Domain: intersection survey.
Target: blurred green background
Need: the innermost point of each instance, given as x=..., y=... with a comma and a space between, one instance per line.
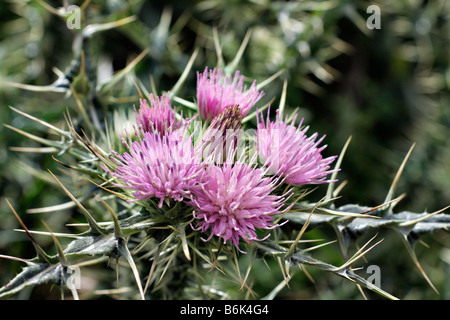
x=387, y=88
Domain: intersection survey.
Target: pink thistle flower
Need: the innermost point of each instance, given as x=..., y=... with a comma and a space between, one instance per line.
x=234, y=201
x=158, y=117
x=288, y=152
x=157, y=166
x=222, y=135
x=215, y=92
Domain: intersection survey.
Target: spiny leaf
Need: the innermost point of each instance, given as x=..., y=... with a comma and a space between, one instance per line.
x=89, y=145
x=410, y=248
x=422, y=218
x=229, y=68
x=78, y=168
x=125, y=252
x=270, y=79
x=184, y=245
x=81, y=108
x=34, y=150
x=220, y=61
x=98, y=245
x=43, y=141
x=174, y=91
x=300, y=257
x=32, y=275
x=283, y=99
x=275, y=291
x=94, y=227
x=117, y=230
x=35, y=172
x=40, y=252
x=81, y=83
x=122, y=247
x=62, y=259
x=300, y=234
x=359, y=254
x=46, y=233
x=15, y=259
x=416, y=225
x=48, y=125
x=92, y=29
x=349, y=274
x=35, y=88
x=396, y=179
x=61, y=256
x=188, y=104
x=330, y=189
x=254, y=113
x=109, y=83
x=319, y=246
x=140, y=88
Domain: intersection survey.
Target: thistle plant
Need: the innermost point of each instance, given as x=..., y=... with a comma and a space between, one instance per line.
x=183, y=197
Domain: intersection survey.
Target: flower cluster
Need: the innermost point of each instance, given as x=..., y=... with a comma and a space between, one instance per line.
x=233, y=196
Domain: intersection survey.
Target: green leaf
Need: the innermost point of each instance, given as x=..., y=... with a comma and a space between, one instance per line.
x=32, y=275
x=92, y=245
x=300, y=257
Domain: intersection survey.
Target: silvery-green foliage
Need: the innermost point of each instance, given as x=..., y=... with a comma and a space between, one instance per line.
x=163, y=257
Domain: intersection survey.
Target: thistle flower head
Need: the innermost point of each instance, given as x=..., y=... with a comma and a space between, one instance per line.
x=222, y=135
x=287, y=151
x=158, y=117
x=230, y=118
x=163, y=167
x=234, y=201
x=216, y=91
